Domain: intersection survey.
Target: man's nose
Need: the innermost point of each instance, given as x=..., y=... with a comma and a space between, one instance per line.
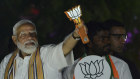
x=29, y=36
x=122, y=40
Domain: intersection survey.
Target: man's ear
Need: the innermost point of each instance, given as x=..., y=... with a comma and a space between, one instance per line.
x=14, y=38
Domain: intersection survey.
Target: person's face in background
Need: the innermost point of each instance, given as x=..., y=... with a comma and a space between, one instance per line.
x=117, y=38
x=100, y=44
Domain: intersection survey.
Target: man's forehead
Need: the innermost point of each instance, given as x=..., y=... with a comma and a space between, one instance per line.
x=118, y=30
x=30, y=31
x=103, y=33
x=26, y=28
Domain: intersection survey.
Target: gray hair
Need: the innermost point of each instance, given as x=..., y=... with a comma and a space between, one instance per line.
x=21, y=22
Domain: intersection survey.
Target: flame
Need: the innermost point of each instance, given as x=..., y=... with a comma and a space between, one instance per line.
x=74, y=14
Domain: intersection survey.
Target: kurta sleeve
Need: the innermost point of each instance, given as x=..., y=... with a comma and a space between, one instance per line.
x=54, y=56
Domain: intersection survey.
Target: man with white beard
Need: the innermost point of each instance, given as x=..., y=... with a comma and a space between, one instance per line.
x=30, y=61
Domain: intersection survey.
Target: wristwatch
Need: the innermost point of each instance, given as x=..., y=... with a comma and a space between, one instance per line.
x=76, y=38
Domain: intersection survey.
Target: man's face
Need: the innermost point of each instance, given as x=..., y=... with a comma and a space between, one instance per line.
x=101, y=44
x=26, y=38
x=117, y=39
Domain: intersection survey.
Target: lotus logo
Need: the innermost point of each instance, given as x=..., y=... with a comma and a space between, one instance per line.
x=74, y=13
x=92, y=70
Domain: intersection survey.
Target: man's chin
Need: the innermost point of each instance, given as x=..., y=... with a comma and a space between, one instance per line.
x=29, y=49
x=120, y=50
x=106, y=52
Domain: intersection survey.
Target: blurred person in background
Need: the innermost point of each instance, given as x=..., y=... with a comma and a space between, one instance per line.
x=100, y=45
x=118, y=36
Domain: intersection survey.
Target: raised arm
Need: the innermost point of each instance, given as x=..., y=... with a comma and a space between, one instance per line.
x=71, y=41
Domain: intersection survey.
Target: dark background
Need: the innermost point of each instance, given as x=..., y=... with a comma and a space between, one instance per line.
x=53, y=25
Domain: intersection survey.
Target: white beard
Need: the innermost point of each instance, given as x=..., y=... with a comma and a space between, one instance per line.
x=28, y=49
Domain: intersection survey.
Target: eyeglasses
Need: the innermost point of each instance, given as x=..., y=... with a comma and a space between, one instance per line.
x=118, y=36
x=24, y=35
